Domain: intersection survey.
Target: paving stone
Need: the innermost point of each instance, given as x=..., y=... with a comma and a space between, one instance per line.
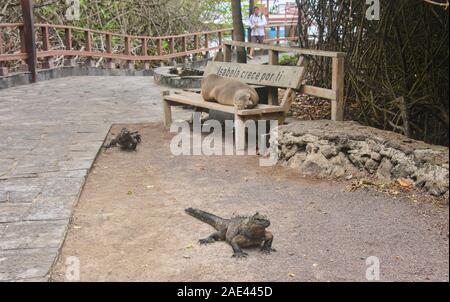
x=64, y=174
x=51, y=208
x=31, y=160
x=76, y=164
x=3, y=196
x=62, y=186
x=13, y=175
x=23, y=196
x=5, y=164
x=27, y=264
x=34, y=169
x=33, y=234
x=12, y=212
x=2, y=229
x=19, y=184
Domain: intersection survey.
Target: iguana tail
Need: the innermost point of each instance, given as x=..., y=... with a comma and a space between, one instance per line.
x=213, y=220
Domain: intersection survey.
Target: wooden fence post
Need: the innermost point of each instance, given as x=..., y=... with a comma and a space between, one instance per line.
x=109, y=64
x=145, y=53
x=69, y=61
x=272, y=96
x=220, y=36
x=196, y=46
x=3, y=68
x=129, y=64
x=278, y=34
x=48, y=61
x=172, y=50
x=159, y=49
x=206, y=45
x=88, y=48
x=184, y=47
x=29, y=40
x=23, y=49
x=227, y=53
x=338, y=105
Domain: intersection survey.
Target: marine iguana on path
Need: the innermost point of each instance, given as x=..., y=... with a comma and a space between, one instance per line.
x=126, y=140
x=238, y=231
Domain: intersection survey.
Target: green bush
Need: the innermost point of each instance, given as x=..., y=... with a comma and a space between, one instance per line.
x=290, y=60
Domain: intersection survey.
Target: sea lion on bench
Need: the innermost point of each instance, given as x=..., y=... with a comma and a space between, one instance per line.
x=229, y=92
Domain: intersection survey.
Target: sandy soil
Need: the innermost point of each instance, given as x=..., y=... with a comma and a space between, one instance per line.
x=130, y=224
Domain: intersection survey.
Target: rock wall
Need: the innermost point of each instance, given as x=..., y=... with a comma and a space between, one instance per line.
x=347, y=149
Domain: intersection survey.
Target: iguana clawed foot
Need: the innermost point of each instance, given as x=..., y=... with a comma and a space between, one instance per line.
x=206, y=241
x=240, y=255
x=267, y=250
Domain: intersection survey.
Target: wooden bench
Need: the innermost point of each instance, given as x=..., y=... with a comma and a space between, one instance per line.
x=335, y=59
x=273, y=76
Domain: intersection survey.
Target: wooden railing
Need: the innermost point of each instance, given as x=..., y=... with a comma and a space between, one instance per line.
x=289, y=35
x=129, y=48
x=335, y=94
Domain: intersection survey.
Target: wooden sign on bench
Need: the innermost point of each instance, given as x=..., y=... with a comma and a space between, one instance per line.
x=267, y=75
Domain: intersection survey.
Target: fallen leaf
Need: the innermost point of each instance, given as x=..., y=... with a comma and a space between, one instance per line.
x=292, y=275
x=190, y=246
x=404, y=183
x=130, y=192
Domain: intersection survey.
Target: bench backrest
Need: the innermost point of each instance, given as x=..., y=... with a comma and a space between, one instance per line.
x=266, y=75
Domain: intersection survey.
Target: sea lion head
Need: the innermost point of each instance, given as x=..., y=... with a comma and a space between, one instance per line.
x=245, y=100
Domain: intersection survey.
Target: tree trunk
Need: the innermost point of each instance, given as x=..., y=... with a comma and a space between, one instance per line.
x=239, y=32
x=299, y=23
x=251, y=5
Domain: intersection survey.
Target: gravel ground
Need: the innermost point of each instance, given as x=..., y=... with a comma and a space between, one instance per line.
x=130, y=225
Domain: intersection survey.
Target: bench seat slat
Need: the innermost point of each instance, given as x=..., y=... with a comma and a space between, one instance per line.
x=196, y=100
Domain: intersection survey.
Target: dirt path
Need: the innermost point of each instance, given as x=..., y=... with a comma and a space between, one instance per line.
x=130, y=225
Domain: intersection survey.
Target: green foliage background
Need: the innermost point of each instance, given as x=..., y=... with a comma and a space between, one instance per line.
x=149, y=17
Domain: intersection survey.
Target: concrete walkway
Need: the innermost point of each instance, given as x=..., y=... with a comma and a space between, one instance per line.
x=50, y=135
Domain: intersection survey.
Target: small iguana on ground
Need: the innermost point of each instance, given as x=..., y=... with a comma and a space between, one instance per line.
x=126, y=140
x=239, y=231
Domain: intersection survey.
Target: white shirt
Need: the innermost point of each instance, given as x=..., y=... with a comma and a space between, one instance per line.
x=257, y=24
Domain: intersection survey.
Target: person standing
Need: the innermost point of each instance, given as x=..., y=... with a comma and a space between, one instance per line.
x=257, y=22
